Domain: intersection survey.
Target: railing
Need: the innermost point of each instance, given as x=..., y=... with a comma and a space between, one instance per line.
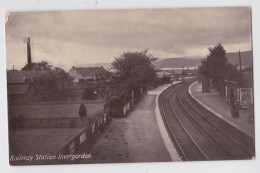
x=126, y=108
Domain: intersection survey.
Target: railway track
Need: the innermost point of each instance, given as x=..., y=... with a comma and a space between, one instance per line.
x=197, y=133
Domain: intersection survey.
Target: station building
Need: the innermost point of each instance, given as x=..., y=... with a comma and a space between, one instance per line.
x=240, y=93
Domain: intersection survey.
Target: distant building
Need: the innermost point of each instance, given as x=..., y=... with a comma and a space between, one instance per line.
x=91, y=74
x=239, y=92
x=163, y=74
x=189, y=72
x=178, y=71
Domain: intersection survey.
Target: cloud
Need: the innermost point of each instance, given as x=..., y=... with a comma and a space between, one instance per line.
x=80, y=37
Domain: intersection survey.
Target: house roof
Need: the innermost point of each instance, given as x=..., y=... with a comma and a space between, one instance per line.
x=91, y=71
x=19, y=76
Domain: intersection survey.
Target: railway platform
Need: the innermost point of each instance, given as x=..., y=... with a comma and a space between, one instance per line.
x=138, y=137
x=215, y=103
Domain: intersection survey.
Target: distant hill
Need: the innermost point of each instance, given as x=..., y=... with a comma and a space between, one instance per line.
x=178, y=62
x=246, y=58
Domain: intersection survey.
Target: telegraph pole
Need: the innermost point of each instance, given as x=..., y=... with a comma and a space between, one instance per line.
x=240, y=68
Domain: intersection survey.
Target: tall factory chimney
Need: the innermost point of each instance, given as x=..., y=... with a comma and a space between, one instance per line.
x=29, y=57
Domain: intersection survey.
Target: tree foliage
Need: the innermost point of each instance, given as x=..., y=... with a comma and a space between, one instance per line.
x=135, y=69
x=114, y=107
x=54, y=84
x=216, y=67
x=43, y=65
x=88, y=94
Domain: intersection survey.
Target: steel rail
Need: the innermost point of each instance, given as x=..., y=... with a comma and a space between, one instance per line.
x=215, y=126
x=221, y=131
x=203, y=128
x=180, y=124
x=171, y=132
x=186, y=130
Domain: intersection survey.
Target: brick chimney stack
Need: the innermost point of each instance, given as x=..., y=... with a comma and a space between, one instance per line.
x=29, y=58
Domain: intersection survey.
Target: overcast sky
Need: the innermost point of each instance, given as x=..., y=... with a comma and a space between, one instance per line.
x=77, y=38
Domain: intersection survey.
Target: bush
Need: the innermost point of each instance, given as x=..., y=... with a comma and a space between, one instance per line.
x=114, y=107
x=124, y=96
x=88, y=94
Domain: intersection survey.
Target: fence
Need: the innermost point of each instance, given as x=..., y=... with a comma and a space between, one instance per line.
x=126, y=108
x=95, y=124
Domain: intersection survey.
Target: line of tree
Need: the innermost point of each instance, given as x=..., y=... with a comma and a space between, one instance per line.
x=132, y=71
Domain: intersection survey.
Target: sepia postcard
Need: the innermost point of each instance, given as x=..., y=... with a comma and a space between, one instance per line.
x=130, y=85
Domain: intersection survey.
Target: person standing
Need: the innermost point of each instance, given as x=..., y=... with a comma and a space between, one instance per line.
x=82, y=113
